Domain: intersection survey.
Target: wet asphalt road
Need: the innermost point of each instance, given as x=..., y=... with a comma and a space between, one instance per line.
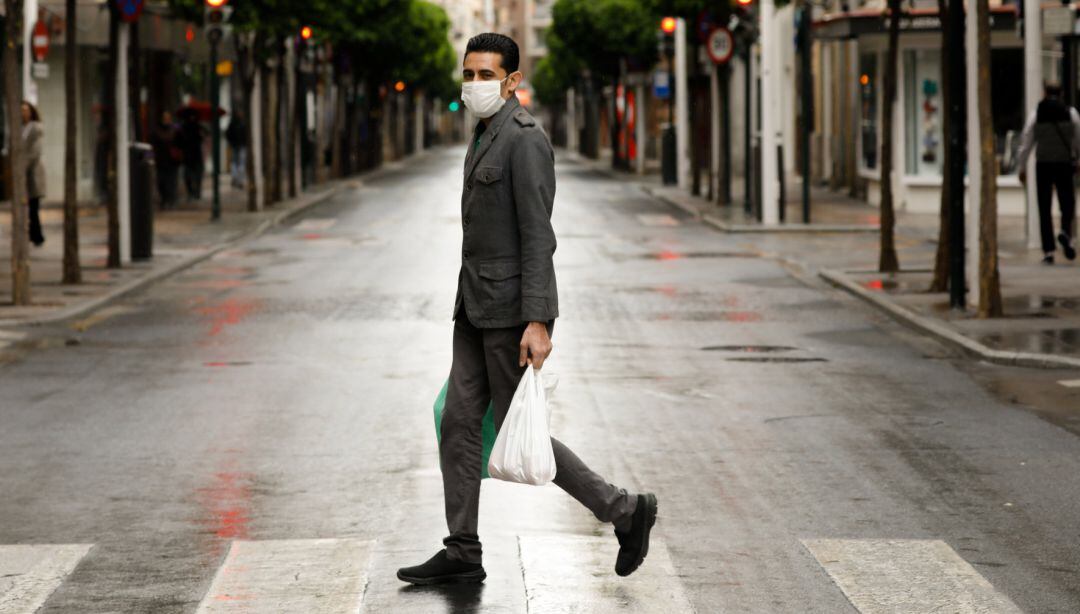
x=283, y=390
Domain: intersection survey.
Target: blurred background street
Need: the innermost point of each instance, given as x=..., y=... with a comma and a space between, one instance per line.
x=282, y=390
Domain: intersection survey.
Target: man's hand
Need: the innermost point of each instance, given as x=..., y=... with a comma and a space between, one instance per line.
x=535, y=345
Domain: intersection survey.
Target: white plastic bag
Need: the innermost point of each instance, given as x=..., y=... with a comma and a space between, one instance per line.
x=522, y=452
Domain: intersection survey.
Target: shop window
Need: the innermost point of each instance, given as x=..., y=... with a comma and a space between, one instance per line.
x=868, y=109
x=923, y=110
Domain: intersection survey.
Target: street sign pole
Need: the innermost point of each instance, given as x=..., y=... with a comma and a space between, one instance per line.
x=215, y=126
x=807, y=104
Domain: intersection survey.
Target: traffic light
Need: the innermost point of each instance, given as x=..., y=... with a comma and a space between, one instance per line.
x=216, y=19
x=306, y=33
x=667, y=25
x=454, y=106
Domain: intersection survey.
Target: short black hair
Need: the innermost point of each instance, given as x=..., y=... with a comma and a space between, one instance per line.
x=496, y=43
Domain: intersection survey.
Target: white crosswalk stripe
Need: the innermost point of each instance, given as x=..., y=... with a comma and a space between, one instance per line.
x=316, y=223
x=576, y=574
x=657, y=219
x=30, y=573
x=302, y=576
x=904, y=576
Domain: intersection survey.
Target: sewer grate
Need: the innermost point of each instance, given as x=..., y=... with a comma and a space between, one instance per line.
x=778, y=359
x=749, y=348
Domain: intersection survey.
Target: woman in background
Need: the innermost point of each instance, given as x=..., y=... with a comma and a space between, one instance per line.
x=33, y=138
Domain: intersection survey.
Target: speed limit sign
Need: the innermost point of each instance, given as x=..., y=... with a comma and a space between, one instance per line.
x=721, y=45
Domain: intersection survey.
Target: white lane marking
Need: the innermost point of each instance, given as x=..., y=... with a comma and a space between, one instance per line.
x=316, y=223
x=30, y=573
x=301, y=576
x=894, y=576
x=657, y=219
x=577, y=574
x=1070, y=383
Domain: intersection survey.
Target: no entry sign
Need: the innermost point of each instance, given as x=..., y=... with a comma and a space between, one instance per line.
x=130, y=10
x=40, y=41
x=721, y=45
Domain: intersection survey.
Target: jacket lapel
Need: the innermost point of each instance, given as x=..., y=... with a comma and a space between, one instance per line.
x=489, y=135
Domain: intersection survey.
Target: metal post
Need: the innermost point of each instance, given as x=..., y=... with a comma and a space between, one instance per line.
x=771, y=93
x=123, y=158
x=215, y=128
x=1033, y=86
x=748, y=120
x=957, y=154
x=974, y=151
x=682, y=106
x=807, y=104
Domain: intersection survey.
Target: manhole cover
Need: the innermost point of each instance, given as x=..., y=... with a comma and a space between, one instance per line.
x=749, y=348
x=787, y=359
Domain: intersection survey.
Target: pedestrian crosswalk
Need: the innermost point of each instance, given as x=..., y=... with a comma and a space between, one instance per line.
x=559, y=573
x=30, y=573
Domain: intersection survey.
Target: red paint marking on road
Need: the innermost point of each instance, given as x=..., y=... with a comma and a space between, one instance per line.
x=311, y=236
x=742, y=316
x=228, y=504
x=228, y=312
x=874, y=284
x=668, y=255
x=668, y=291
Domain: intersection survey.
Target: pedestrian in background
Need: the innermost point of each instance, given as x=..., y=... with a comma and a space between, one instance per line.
x=236, y=136
x=504, y=314
x=191, y=138
x=33, y=141
x=167, y=159
x=1053, y=132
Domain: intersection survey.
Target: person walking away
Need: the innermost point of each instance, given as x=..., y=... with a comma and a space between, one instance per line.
x=504, y=314
x=167, y=159
x=1053, y=132
x=33, y=141
x=236, y=136
x=191, y=139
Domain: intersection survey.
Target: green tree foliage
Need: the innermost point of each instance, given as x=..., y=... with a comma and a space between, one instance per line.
x=602, y=33
x=556, y=72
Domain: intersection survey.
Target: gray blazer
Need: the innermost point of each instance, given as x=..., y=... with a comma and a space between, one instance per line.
x=33, y=143
x=507, y=277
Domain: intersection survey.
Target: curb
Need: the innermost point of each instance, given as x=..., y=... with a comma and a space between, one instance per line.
x=946, y=334
x=728, y=227
x=303, y=204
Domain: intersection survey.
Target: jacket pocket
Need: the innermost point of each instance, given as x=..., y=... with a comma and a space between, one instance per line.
x=500, y=287
x=488, y=175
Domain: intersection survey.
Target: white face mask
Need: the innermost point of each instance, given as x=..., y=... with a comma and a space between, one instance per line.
x=483, y=98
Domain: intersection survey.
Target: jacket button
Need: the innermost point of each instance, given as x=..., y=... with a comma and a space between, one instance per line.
x=466, y=254
x=465, y=222
x=468, y=186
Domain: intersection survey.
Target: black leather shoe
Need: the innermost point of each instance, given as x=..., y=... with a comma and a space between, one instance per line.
x=441, y=570
x=1067, y=244
x=634, y=544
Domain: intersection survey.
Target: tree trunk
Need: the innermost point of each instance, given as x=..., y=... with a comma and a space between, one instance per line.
x=112, y=113
x=940, y=282
x=292, y=117
x=245, y=52
x=72, y=270
x=20, y=247
x=268, y=94
x=889, y=262
x=341, y=85
x=280, y=117
x=989, y=280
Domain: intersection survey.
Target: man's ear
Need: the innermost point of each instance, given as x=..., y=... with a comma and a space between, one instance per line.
x=515, y=80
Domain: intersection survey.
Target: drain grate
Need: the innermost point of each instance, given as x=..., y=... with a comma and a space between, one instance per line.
x=775, y=359
x=749, y=348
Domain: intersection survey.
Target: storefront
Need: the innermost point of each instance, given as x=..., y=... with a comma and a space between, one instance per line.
x=918, y=137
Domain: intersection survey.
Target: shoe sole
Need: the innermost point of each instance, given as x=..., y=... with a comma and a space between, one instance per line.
x=650, y=516
x=1070, y=251
x=469, y=577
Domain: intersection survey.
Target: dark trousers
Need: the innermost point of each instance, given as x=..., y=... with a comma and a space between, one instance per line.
x=193, y=179
x=486, y=368
x=36, y=236
x=1050, y=176
x=166, y=183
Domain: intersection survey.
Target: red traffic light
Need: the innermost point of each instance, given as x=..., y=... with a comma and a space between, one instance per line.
x=745, y=2
x=667, y=24
x=306, y=33
x=216, y=4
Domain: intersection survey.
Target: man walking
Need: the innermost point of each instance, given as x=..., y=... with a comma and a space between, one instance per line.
x=1053, y=131
x=504, y=314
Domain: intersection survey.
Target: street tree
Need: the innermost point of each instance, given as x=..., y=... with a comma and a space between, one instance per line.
x=940, y=281
x=888, y=261
x=606, y=36
x=989, y=280
x=20, y=247
x=72, y=270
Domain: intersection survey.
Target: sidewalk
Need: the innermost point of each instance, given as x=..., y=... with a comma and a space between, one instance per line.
x=183, y=237
x=1041, y=327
